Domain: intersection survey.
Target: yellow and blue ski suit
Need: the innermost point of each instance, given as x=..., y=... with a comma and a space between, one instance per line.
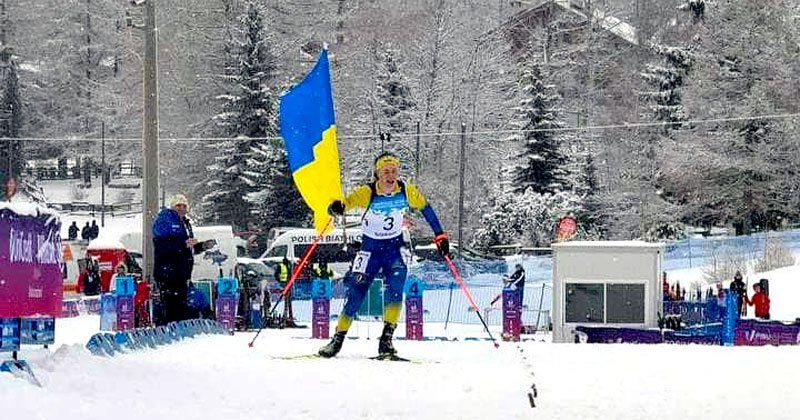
x=382, y=246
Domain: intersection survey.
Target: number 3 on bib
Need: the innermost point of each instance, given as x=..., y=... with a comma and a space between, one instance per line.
x=361, y=261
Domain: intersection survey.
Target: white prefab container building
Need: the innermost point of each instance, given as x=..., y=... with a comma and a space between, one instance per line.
x=605, y=283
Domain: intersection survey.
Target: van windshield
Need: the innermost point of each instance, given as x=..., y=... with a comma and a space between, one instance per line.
x=278, y=251
x=331, y=253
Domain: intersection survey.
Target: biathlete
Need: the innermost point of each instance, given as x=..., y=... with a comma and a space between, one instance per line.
x=386, y=201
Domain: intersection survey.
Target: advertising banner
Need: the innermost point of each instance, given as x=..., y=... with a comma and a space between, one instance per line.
x=30, y=261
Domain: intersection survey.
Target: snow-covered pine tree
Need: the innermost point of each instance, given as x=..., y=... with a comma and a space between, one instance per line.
x=665, y=79
x=527, y=218
x=395, y=103
x=540, y=166
x=85, y=81
x=244, y=164
x=10, y=114
x=277, y=201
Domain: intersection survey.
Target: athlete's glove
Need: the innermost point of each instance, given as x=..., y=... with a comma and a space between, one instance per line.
x=442, y=244
x=336, y=208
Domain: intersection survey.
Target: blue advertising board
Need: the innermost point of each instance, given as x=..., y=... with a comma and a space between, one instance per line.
x=9, y=334
x=124, y=286
x=227, y=286
x=38, y=331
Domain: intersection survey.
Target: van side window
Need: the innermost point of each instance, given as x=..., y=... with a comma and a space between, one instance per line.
x=278, y=251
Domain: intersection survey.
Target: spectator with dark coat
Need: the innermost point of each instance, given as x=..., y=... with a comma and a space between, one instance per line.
x=89, y=278
x=86, y=232
x=738, y=287
x=173, y=257
x=73, y=231
x=94, y=231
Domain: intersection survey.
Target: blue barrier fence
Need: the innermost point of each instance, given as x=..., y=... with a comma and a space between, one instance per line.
x=107, y=344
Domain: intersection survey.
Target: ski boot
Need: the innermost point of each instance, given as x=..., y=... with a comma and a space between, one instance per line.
x=332, y=349
x=385, y=348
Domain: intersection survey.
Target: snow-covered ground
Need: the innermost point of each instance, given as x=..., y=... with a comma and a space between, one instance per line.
x=70, y=190
x=214, y=377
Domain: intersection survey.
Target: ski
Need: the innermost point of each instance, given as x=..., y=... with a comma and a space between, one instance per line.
x=379, y=358
x=393, y=358
x=301, y=357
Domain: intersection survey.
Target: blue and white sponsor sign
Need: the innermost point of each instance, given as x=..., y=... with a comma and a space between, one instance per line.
x=9, y=334
x=125, y=286
x=321, y=289
x=227, y=286
x=414, y=287
x=38, y=331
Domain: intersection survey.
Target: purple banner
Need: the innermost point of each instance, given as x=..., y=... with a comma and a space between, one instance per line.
x=69, y=309
x=320, y=320
x=30, y=261
x=512, y=315
x=124, y=313
x=226, y=311
x=414, y=316
x=752, y=332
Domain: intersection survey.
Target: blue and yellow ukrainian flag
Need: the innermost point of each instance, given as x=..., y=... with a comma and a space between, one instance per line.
x=309, y=132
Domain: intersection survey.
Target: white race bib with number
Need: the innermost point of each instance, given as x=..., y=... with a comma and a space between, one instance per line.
x=384, y=217
x=361, y=262
x=382, y=225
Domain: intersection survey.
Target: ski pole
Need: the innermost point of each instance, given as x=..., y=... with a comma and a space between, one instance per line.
x=449, y=301
x=296, y=272
x=464, y=289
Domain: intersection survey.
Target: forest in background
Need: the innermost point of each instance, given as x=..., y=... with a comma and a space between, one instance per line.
x=634, y=115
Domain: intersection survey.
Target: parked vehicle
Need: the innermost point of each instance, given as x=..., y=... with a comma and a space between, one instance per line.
x=292, y=244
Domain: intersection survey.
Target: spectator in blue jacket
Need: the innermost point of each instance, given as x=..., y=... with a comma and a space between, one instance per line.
x=174, y=243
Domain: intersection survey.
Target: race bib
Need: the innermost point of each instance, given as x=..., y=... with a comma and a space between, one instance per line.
x=361, y=261
x=384, y=217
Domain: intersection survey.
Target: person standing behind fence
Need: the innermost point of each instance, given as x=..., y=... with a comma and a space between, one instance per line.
x=282, y=277
x=86, y=232
x=761, y=301
x=73, y=231
x=174, y=243
x=94, y=230
x=89, y=279
x=120, y=270
x=516, y=282
x=738, y=287
x=11, y=188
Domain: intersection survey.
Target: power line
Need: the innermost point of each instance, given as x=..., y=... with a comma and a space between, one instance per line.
x=443, y=134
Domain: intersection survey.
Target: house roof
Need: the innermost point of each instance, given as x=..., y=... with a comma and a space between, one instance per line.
x=606, y=21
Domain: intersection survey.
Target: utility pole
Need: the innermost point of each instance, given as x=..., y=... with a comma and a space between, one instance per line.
x=4, y=55
x=3, y=23
x=462, y=158
x=150, y=137
x=103, y=173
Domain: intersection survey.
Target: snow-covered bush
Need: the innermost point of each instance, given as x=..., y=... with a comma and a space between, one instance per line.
x=528, y=218
x=775, y=255
x=665, y=230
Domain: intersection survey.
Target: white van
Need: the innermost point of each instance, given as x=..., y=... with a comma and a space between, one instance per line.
x=204, y=267
x=293, y=244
